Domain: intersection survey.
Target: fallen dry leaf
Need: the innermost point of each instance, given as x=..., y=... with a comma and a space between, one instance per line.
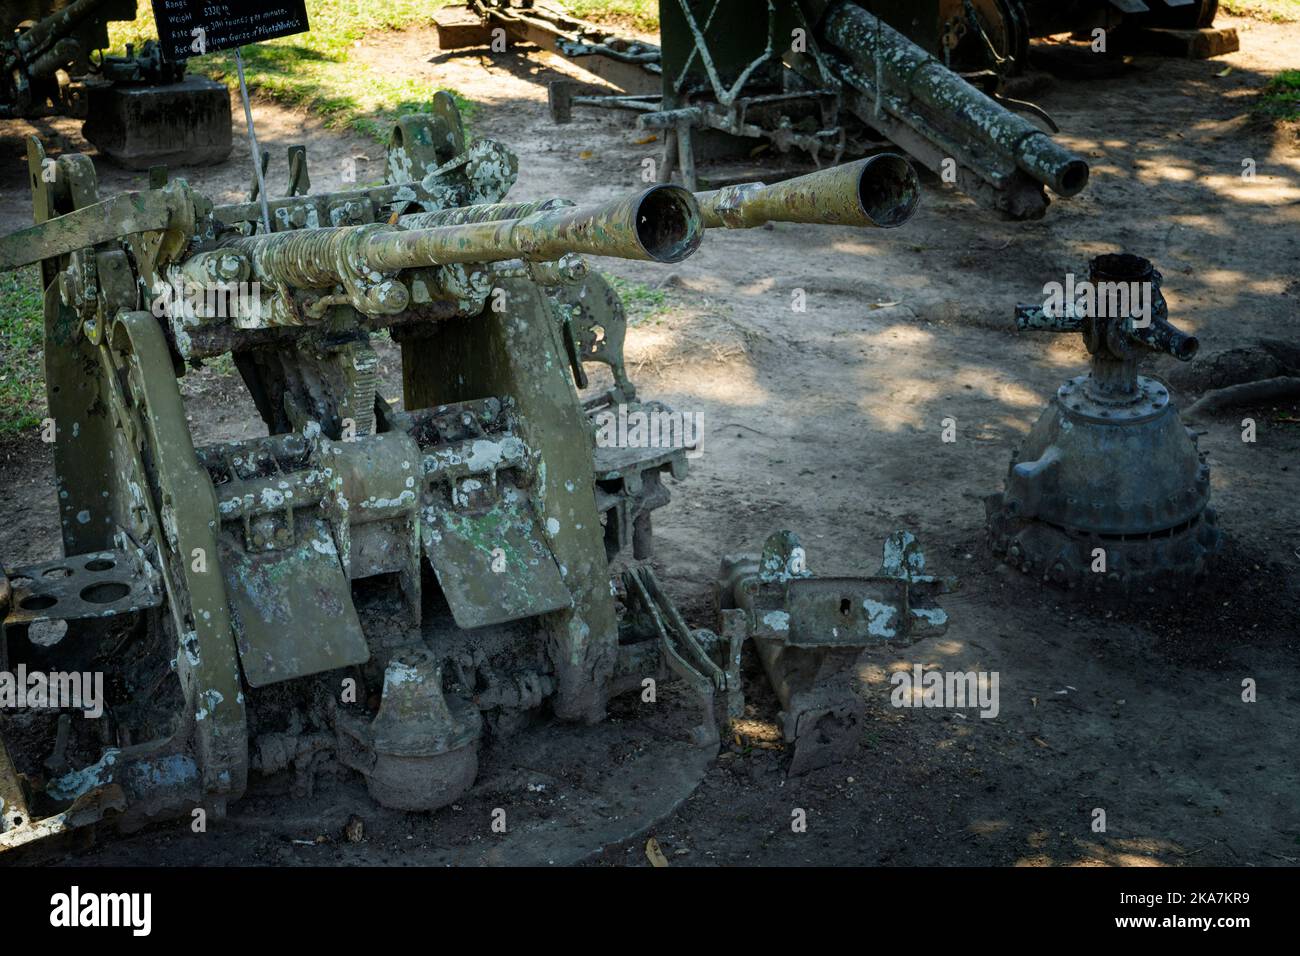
x=654, y=854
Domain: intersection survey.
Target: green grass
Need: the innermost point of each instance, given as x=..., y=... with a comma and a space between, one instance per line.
x=1279, y=11
x=317, y=70
x=1280, y=98
x=641, y=14
x=22, y=381
x=640, y=301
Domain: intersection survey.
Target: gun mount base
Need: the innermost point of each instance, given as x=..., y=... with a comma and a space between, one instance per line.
x=184, y=123
x=1116, y=504
x=1109, y=490
x=808, y=632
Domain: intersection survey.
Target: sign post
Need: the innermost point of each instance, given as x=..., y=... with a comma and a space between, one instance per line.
x=252, y=145
x=189, y=28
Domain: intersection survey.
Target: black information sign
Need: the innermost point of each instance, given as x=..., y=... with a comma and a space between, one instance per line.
x=189, y=28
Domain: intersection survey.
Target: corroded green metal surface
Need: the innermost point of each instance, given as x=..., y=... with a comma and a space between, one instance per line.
x=518, y=352
x=58, y=35
x=184, y=510
x=489, y=212
x=492, y=560
x=1109, y=466
x=882, y=54
x=123, y=215
x=277, y=595
x=661, y=223
x=449, y=555
x=878, y=191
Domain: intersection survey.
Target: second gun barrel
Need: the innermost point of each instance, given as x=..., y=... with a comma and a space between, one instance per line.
x=877, y=191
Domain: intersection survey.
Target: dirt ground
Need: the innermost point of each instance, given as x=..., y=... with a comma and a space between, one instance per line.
x=828, y=422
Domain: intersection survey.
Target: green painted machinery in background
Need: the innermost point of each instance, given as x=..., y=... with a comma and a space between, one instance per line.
x=798, y=81
x=39, y=38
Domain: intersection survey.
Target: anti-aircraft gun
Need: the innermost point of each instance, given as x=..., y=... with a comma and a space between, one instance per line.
x=794, y=81
x=446, y=556
x=140, y=110
x=820, y=79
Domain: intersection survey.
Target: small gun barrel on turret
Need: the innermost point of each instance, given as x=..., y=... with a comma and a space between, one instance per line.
x=1160, y=336
x=1037, y=318
x=1120, y=306
x=661, y=224
x=878, y=191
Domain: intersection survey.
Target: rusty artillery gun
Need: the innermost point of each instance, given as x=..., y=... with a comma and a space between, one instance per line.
x=794, y=81
x=381, y=586
x=818, y=79
x=39, y=39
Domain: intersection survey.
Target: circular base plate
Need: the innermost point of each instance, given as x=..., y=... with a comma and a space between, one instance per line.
x=1151, y=399
x=553, y=794
x=1127, y=564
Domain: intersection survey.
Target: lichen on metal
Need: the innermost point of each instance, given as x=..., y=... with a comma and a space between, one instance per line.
x=450, y=557
x=808, y=631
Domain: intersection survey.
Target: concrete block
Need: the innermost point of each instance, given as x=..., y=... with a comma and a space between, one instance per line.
x=178, y=124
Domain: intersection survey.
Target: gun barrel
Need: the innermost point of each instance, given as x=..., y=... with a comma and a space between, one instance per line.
x=1036, y=318
x=31, y=43
x=1121, y=290
x=661, y=223
x=878, y=191
x=1160, y=336
x=484, y=212
x=875, y=49
x=54, y=59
